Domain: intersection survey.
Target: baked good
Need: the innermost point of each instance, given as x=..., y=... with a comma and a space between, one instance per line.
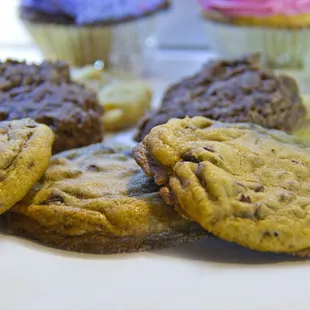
x=278, y=29
x=91, y=77
x=269, y=13
x=46, y=94
x=25, y=150
x=110, y=30
x=124, y=103
x=241, y=182
x=232, y=91
x=97, y=200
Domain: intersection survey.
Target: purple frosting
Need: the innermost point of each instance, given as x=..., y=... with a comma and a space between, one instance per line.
x=89, y=11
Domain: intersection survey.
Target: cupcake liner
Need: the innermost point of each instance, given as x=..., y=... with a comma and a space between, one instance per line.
x=280, y=48
x=77, y=45
x=122, y=47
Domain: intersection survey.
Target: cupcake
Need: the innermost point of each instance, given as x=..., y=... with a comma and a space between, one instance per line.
x=278, y=29
x=119, y=33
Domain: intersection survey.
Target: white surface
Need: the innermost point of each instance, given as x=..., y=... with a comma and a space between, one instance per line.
x=206, y=275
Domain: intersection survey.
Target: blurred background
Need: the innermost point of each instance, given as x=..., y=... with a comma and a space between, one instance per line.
x=179, y=28
x=185, y=40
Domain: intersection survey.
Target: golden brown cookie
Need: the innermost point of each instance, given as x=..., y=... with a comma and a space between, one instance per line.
x=25, y=150
x=241, y=182
x=97, y=200
x=125, y=103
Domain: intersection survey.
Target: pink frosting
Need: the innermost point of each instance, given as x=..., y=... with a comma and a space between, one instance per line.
x=257, y=7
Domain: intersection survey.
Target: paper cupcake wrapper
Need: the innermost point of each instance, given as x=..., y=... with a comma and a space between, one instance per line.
x=77, y=45
x=280, y=48
x=123, y=47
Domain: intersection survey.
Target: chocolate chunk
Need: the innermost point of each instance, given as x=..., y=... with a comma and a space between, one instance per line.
x=245, y=198
x=31, y=165
x=55, y=199
x=270, y=234
x=259, y=188
x=209, y=148
x=188, y=156
x=93, y=167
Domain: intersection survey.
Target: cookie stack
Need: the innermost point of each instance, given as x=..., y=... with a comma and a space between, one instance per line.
x=96, y=200
x=234, y=179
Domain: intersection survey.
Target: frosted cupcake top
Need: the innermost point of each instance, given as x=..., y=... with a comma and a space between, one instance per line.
x=257, y=7
x=92, y=11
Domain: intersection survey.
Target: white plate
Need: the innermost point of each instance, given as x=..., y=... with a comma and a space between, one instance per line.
x=210, y=274
x=205, y=275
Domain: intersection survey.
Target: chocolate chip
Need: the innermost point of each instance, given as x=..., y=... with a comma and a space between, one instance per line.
x=55, y=199
x=287, y=196
x=245, y=198
x=188, y=156
x=31, y=165
x=238, y=183
x=221, y=157
x=270, y=234
x=259, y=188
x=293, y=185
x=209, y=148
x=191, y=126
x=31, y=125
x=93, y=167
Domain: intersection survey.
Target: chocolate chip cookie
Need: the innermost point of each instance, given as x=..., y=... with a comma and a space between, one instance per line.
x=97, y=200
x=46, y=94
x=25, y=150
x=232, y=91
x=241, y=182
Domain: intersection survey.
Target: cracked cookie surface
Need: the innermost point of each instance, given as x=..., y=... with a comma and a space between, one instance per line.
x=241, y=182
x=98, y=200
x=231, y=91
x=25, y=150
x=46, y=94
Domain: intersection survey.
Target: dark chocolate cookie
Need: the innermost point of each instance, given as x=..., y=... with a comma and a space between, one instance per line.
x=232, y=91
x=46, y=94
